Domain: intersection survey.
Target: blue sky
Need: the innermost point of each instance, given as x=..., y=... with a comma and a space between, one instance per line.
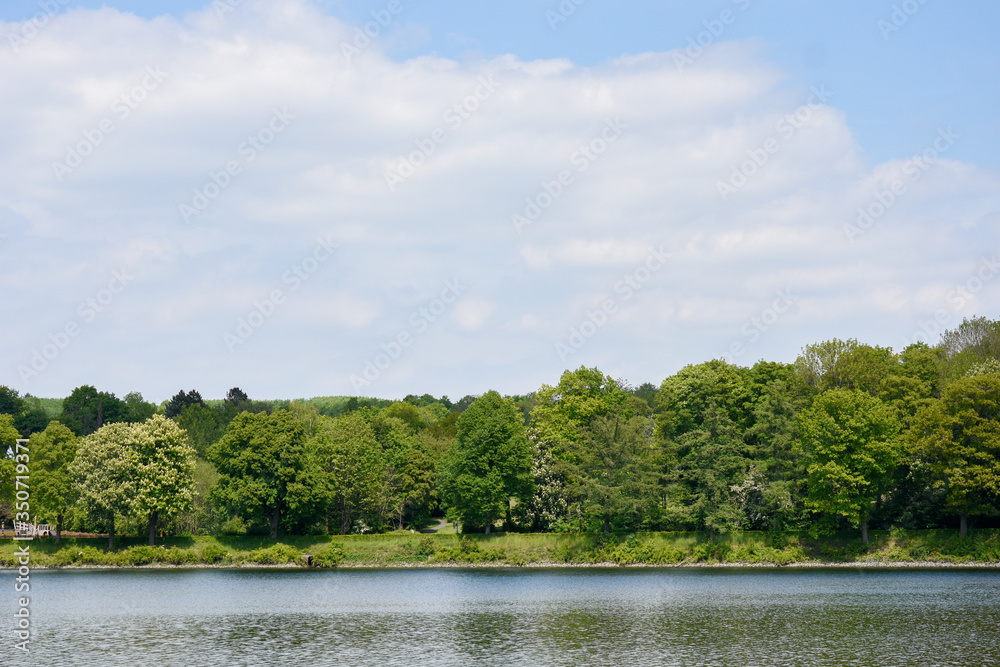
x=434, y=286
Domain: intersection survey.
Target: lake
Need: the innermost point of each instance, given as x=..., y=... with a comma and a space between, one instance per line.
x=617, y=617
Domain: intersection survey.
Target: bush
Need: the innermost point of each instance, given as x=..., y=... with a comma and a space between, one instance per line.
x=176, y=556
x=425, y=547
x=234, y=526
x=141, y=556
x=213, y=553
x=279, y=554
x=331, y=555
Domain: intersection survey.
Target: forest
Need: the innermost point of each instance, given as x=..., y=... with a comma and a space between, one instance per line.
x=849, y=436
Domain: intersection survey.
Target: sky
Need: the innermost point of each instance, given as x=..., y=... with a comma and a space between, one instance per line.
x=306, y=197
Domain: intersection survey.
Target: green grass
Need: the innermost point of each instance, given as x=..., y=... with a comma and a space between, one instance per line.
x=403, y=548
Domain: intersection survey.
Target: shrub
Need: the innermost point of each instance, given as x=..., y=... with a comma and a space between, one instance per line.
x=176, y=556
x=331, y=555
x=279, y=554
x=143, y=555
x=234, y=526
x=213, y=553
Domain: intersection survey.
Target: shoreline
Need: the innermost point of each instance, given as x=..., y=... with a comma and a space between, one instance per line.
x=810, y=565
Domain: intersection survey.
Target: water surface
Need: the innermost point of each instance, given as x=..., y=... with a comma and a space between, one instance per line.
x=510, y=617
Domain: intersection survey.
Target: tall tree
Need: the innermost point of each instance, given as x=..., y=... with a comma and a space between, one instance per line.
x=202, y=426
x=616, y=467
x=8, y=439
x=105, y=474
x=11, y=402
x=260, y=459
x=580, y=397
x=181, y=400
x=52, y=452
x=138, y=409
x=85, y=410
x=852, y=440
x=710, y=461
x=973, y=341
x=350, y=469
x=489, y=464
x=773, y=440
x=958, y=440
x=165, y=472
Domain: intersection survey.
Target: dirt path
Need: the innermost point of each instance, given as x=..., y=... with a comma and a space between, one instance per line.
x=433, y=529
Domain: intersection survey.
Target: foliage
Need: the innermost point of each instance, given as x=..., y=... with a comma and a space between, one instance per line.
x=261, y=460
x=852, y=441
x=489, y=464
x=52, y=452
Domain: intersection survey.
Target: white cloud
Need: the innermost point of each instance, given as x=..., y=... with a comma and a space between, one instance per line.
x=324, y=174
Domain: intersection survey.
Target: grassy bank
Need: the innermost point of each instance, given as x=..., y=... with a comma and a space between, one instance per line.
x=409, y=549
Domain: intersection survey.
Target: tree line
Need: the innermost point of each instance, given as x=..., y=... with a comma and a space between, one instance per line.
x=850, y=435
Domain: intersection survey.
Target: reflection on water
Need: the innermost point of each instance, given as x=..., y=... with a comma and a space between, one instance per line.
x=512, y=617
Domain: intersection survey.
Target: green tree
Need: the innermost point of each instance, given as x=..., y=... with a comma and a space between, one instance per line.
x=773, y=443
x=11, y=402
x=958, y=440
x=489, y=464
x=852, y=440
x=181, y=400
x=684, y=399
x=164, y=486
x=975, y=340
x=350, y=469
x=52, y=452
x=202, y=426
x=8, y=439
x=139, y=410
x=105, y=474
x=839, y=364
x=581, y=396
x=617, y=466
x=85, y=410
x=260, y=459
x=710, y=461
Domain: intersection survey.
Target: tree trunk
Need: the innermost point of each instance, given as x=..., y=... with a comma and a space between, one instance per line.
x=864, y=531
x=508, y=520
x=59, y=519
x=711, y=534
x=963, y=526
x=275, y=515
x=607, y=524
x=111, y=535
x=154, y=517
